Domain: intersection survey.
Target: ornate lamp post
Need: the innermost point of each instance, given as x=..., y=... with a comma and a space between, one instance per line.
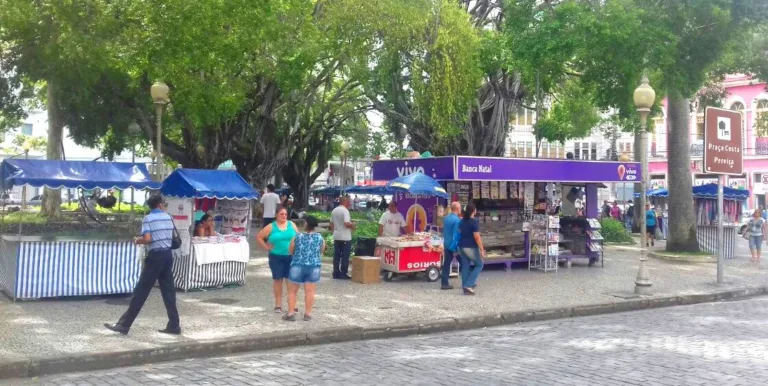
x=159, y=92
x=644, y=98
x=134, y=130
x=344, y=154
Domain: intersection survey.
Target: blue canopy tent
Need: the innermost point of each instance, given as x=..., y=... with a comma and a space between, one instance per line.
x=710, y=191
x=661, y=192
x=67, y=262
x=198, y=183
x=225, y=262
x=75, y=174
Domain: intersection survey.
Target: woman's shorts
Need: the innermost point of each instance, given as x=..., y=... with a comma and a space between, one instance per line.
x=301, y=274
x=280, y=265
x=651, y=229
x=755, y=242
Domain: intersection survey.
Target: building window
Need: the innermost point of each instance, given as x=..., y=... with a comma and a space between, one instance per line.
x=738, y=106
x=523, y=117
x=761, y=128
x=524, y=149
x=26, y=129
x=551, y=150
x=699, y=123
x=585, y=151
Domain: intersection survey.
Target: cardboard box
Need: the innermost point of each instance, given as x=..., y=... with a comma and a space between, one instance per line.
x=366, y=269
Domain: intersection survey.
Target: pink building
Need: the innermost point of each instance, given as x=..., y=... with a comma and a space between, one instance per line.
x=744, y=94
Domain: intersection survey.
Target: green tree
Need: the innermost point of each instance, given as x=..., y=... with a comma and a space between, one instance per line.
x=55, y=44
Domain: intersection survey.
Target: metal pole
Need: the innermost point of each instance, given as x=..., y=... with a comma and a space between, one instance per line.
x=720, y=230
x=133, y=161
x=24, y=188
x=159, y=141
x=643, y=281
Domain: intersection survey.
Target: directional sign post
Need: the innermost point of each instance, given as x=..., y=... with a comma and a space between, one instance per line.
x=723, y=155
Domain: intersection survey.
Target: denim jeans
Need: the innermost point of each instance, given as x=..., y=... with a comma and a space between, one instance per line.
x=447, y=261
x=469, y=275
x=341, y=251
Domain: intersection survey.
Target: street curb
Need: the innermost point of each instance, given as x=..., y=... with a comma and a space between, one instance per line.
x=269, y=341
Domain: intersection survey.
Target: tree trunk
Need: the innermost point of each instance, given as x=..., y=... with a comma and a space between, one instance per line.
x=682, y=221
x=51, y=205
x=638, y=211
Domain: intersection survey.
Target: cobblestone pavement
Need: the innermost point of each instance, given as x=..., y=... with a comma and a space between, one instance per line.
x=708, y=344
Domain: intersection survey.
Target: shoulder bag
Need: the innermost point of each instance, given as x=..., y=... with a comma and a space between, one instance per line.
x=175, y=237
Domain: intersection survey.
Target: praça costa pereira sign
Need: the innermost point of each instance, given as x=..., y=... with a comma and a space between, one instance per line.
x=723, y=142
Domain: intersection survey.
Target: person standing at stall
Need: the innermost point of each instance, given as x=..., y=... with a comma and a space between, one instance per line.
x=269, y=201
x=471, y=249
x=276, y=239
x=306, y=249
x=156, y=233
x=392, y=222
x=450, y=227
x=342, y=227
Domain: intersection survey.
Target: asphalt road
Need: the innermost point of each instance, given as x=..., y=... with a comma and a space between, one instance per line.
x=708, y=344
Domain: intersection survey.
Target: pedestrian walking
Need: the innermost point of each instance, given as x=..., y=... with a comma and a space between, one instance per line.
x=756, y=229
x=616, y=211
x=450, y=230
x=157, y=233
x=270, y=201
x=276, y=239
x=629, y=214
x=306, y=249
x=471, y=249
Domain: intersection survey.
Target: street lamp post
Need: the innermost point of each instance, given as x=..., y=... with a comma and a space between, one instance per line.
x=644, y=97
x=153, y=156
x=26, y=147
x=159, y=92
x=344, y=153
x=134, y=130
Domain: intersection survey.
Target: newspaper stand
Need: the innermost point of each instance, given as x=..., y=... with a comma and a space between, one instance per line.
x=410, y=257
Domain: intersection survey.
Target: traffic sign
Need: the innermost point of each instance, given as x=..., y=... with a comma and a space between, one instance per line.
x=723, y=143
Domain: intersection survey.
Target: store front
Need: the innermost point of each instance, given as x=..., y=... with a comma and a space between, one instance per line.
x=515, y=197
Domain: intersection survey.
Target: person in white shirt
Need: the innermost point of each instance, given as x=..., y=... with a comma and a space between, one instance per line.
x=391, y=222
x=342, y=227
x=270, y=201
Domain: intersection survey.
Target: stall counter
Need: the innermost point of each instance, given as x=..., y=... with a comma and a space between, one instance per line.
x=211, y=262
x=49, y=266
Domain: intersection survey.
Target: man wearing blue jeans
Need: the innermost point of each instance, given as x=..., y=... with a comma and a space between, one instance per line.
x=342, y=227
x=450, y=226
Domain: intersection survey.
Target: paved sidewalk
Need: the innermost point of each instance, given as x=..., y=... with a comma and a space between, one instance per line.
x=720, y=344
x=45, y=329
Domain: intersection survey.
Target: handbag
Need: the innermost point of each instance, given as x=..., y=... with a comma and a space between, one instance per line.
x=175, y=238
x=747, y=233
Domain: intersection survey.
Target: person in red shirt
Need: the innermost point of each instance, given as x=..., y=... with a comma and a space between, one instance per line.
x=616, y=211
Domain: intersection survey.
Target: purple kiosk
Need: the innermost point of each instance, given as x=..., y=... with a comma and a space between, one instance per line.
x=526, y=207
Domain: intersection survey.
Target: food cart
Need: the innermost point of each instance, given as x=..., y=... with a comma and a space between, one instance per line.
x=209, y=262
x=420, y=251
x=80, y=253
x=409, y=255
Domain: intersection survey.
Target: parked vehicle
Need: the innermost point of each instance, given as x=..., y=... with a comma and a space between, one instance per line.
x=10, y=199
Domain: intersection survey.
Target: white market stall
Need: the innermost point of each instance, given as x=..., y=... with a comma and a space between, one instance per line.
x=208, y=262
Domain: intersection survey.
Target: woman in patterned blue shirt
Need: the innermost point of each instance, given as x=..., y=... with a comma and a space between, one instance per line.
x=306, y=249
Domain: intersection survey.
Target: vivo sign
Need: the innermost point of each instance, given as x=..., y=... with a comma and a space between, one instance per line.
x=439, y=168
x=406, y=170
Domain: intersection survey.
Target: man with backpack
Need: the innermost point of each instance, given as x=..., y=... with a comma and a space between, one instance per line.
x=450, y=242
